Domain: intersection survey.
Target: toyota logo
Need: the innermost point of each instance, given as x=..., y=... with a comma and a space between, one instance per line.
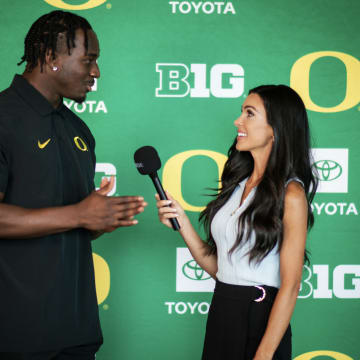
x=193, y=271
x=327, y=170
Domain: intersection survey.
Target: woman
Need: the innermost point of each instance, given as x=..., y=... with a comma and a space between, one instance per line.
x=256, y=227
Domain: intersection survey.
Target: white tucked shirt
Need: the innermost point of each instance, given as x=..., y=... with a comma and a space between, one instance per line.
x=235, y=269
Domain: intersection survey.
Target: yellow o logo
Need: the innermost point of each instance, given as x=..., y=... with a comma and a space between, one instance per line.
x=80, y=143
x=172, y=173
x=314, y=354
x=63, y=5
x=102, y=278
x=300, y=79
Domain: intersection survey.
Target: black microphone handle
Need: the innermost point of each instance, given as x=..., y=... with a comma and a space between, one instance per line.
x=157, y=183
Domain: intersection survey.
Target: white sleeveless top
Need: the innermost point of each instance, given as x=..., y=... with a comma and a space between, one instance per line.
x=235, y=268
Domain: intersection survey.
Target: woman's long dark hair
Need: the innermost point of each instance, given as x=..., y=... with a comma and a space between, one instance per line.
x=290, y=157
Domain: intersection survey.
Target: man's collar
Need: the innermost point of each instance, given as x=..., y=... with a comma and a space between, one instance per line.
x=32, y=96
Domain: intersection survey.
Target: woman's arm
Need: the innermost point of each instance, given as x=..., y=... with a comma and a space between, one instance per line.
x=291, y=265
x=198, y=248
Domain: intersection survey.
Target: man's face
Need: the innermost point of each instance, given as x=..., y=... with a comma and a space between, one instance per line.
x=78, y=70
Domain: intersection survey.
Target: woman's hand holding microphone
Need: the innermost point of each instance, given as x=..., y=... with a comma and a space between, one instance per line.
x=168, y=209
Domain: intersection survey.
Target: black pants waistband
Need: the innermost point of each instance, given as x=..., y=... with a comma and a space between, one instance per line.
x=241, y=291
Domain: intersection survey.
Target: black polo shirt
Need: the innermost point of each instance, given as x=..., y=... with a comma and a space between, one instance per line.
x=47, y=287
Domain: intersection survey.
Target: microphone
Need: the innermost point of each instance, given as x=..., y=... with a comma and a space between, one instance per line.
x=147, y=162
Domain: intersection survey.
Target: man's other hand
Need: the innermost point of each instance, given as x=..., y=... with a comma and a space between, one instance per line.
x=99, y=212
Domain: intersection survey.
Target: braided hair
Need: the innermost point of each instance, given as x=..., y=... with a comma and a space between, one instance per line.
x=43, y=35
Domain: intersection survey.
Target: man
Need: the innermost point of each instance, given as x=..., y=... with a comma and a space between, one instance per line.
x=49, y=211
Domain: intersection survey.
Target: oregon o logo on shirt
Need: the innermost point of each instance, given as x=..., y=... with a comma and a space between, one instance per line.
x=80, y=143
x=87, y=5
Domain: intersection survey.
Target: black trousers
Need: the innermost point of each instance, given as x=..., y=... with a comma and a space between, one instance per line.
x=236, y=323
x=82, y=352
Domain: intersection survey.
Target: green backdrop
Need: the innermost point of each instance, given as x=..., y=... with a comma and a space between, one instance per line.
x=174, y=75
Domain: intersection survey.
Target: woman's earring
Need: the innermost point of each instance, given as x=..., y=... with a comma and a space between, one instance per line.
x=55, y=68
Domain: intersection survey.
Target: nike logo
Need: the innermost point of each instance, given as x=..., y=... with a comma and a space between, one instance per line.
x=42, y=145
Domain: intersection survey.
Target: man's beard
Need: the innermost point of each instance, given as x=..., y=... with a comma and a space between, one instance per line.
x=80, y=100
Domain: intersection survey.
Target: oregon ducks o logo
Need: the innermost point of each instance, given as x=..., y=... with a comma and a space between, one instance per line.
x=80, y=143
x=102, y=278
x=332, y=354
x=300, y=79
x=172, y=173
x=87, y=5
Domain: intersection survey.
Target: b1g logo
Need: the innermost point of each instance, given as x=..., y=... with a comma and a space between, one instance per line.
x=345, y=282
x=180, y=80
x=190, y=277
x=105, y=170
x=331, y=169
x=64, y=5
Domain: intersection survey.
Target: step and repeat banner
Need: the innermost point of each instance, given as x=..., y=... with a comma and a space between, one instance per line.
x=174, y=75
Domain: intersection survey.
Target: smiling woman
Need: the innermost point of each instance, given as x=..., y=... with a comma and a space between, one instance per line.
x=254, y=132
x=256, y=229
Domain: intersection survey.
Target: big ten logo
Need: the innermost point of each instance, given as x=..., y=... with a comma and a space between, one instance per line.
x=314, y=355
x=172, y=173
x=204, y=7
x=64, y=5
x=105, y=170
x=180, y=80
x=190, y=277
x=102, y=278
x=300, y=80
x=89, y=106
x=317, y=282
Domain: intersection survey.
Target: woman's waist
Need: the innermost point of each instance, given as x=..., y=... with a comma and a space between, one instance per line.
x=257, y=292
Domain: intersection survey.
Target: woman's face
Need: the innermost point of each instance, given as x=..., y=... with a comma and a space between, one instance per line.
x=254, y=132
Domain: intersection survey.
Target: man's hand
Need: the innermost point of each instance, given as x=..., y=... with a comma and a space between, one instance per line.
x=98, y=212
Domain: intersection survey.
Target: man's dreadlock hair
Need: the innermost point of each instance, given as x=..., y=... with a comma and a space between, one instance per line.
x=43, y=36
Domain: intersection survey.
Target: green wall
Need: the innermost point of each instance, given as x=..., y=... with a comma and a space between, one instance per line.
x=152, y=91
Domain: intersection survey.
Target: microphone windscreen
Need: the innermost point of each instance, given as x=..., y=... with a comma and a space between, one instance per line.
x=147, y=160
